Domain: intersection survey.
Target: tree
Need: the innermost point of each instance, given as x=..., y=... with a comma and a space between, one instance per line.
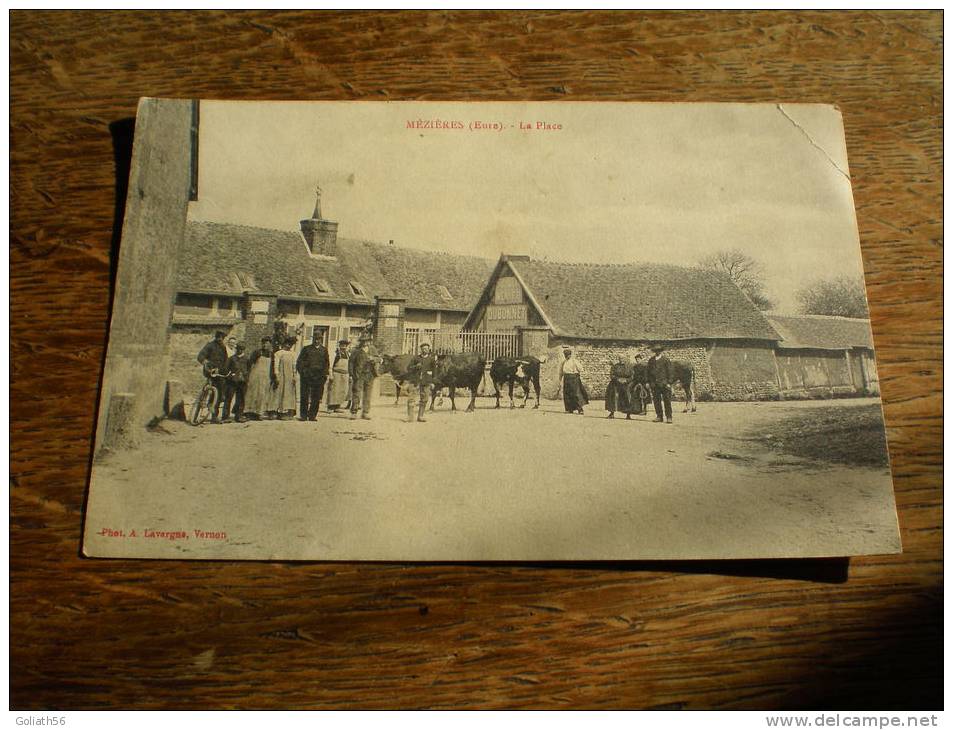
x=843, y=296
x=744, y=270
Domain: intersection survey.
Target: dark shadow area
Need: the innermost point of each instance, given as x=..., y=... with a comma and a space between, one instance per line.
x=122, y=132
x=815, y=570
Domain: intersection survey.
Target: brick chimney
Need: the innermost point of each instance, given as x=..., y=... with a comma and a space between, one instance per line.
x=321, y=235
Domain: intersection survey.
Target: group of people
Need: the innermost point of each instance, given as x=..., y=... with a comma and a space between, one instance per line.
x=661, y=376
x=271, y=384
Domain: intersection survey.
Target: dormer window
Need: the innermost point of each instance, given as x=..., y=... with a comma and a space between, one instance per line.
x=444, y=293
x=357, y=289
x=246, y=280
x=321, y=286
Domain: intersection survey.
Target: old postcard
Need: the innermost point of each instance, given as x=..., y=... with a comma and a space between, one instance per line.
x=489, y=331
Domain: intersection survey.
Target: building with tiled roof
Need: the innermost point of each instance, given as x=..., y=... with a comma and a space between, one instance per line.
x=611, y=312
x=641, y=302
x=824, y=356
x=244, y=280
x=821, y=332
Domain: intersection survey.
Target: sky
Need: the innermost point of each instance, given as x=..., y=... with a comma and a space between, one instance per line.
x=616, y=183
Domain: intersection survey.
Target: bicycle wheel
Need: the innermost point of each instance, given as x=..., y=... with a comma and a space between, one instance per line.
x=202, y=408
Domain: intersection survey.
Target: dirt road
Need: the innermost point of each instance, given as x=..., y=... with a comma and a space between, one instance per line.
x=490, y=485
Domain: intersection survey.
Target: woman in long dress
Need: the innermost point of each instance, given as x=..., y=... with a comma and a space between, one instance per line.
x=570, y=378
x=340, y=387
x=286, y=395
x=260, y=391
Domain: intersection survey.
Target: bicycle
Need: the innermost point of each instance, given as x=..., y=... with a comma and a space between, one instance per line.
x=208, y=399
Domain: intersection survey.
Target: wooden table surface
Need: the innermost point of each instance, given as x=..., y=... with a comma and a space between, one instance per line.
x=103, y=634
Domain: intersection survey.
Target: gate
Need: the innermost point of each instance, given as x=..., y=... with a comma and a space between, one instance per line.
x=489, y=344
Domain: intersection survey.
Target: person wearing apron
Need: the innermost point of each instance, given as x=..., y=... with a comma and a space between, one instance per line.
x=339, y=389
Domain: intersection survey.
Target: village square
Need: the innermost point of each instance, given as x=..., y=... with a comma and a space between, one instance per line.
x=491, y=484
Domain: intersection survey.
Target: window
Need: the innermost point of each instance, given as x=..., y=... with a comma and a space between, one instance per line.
x=193, y=305
x=287, y=308
x=444, y=293
x=309, y=333
x=321, y=286
x=246, y=280
x=357, y=289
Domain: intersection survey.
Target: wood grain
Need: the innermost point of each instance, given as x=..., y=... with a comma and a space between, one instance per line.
x=97, y=634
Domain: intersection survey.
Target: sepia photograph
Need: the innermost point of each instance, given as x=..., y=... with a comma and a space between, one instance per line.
x=421, y=331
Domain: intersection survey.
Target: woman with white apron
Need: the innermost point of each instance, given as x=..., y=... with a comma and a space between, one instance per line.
x=339, y=390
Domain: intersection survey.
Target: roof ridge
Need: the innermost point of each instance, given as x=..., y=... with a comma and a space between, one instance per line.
x=619, y=264
x=242, y=225
x=431, y=252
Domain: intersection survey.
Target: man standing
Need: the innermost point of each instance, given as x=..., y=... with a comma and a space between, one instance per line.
x=364, y=367
x=570, y=380
x=312, y=367
x=214, y=359
x=235, y=383
x=421, y=370
x=661, y=376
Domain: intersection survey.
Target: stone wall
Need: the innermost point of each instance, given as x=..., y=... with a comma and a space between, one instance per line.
x=723, y=371
x=596, y=359
x=185, y=373
x=134, y=377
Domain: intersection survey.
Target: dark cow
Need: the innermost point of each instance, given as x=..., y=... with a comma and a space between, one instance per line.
x=459, y=370
x=399, y=368
x=628, y=390
x=512, y=370
x=685, y=376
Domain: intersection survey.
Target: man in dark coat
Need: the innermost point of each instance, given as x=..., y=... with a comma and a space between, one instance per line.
x=661, y=376
x=363, y=367
x=312, y=367
x=235, y=382
x=214, y=359
x=421, y=374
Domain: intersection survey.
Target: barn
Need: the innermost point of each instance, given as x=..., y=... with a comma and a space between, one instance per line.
x=243, y=280
x=607, y=312
x=823, y=357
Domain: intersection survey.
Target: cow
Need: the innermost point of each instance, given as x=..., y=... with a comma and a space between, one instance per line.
x=399, y=368
x=685, y=376
x=628, y=390
x=458, y=370
x=512, y=370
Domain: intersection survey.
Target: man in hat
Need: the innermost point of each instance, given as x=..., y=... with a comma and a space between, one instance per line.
x=236, y=381
x=661, y=375
x=214, y=359
x=421, y=382
x=570, y=380
x=364, y=367
x=312, y=367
